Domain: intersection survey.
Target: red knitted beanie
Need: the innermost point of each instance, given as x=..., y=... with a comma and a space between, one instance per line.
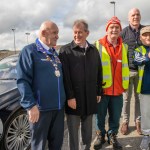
x=113, y=20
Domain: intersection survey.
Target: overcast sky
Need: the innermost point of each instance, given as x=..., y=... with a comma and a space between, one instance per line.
x=26, y=16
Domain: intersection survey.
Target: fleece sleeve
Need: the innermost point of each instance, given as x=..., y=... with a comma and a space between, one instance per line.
x=24, y=79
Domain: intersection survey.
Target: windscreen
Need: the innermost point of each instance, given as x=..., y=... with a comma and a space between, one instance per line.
x=8, y=68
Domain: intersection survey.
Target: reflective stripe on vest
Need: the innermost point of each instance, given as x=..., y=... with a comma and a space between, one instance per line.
x=125, y=67
x=142, y=50
x=106, y=64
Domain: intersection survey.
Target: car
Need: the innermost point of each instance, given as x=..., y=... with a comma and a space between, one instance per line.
x=14, y=124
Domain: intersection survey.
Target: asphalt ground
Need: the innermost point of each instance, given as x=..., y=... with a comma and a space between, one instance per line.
x=129, y=142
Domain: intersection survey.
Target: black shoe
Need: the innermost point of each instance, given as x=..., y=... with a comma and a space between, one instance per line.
x=99, y=142
x=112, y=139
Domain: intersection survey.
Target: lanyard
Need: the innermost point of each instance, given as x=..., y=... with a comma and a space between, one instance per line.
x=50, y=56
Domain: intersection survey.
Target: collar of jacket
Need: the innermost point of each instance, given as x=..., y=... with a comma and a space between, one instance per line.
x=140, y=26
x=75, y=46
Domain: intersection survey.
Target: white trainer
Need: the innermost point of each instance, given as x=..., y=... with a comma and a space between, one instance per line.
x=145, y=143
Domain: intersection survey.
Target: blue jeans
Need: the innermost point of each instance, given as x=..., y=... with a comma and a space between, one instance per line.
x=114, y=106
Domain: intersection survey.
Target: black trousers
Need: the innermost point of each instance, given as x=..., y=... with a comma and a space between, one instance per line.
x=50, y=127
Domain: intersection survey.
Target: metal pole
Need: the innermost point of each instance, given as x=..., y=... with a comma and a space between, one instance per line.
x=114, y=9
x=113, y=2
x=27, y=37
x=14, y=39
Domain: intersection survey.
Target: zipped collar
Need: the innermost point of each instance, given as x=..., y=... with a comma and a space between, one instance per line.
x=134, y=29
x=44, y=45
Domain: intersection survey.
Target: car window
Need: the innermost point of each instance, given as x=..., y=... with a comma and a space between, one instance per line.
x=8, y=68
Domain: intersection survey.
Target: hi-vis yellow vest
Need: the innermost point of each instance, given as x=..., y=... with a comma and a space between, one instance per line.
x=142, y=50
x=106, y=64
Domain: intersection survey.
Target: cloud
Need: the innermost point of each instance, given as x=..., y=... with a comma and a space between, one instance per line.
x=26, y=16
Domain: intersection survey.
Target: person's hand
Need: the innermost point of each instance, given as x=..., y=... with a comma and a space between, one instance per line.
x=34, y=114
x=72, y=103
x=149, y=54
x=98, y=99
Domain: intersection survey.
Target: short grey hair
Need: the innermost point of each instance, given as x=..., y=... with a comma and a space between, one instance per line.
x=133, y=9
x=83, y=22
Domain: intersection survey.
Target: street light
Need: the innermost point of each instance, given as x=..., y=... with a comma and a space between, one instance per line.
x=27, y=33
x=13, y=29
x=113, y=2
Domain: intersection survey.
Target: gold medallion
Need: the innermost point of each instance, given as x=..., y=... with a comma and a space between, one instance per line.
x=57, y=73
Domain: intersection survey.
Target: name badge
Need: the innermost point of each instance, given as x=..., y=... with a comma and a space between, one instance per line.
x=119, y=60
x=44, y=60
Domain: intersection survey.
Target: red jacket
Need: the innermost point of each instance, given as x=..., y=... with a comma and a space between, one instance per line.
x=116, y=65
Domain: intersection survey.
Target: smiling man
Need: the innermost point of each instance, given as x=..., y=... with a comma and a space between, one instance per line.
x=83, y=80
x=131, y=36
x=142, y=60
x=115, y=81
x=40, y=82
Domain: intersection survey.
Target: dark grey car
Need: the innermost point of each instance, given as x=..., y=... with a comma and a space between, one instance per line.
x=14, y=125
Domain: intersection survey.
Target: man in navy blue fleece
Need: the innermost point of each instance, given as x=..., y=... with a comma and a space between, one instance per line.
x=40, y=82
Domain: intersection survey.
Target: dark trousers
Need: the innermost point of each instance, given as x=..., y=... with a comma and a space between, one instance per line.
x=74, y=122
x=49, y=127
x=112, y=104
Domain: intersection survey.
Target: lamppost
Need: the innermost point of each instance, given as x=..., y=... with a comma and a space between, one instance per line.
x=27, y=33
x=13, y=29
x=113, y=2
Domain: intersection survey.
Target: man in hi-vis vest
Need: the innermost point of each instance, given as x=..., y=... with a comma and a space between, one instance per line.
x=142, y=59
x=113, y=53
